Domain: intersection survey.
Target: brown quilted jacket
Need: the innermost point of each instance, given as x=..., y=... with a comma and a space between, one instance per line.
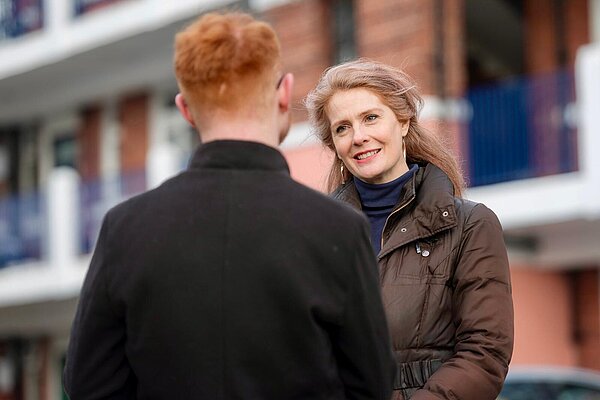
x=446, y=290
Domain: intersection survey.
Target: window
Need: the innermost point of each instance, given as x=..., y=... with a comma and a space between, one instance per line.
x=344, y=42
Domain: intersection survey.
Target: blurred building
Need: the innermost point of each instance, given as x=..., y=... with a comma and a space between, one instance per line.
x=87, y=119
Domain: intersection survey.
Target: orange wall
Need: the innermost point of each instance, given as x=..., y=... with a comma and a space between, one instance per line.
x=309, y=165
x=543, y=318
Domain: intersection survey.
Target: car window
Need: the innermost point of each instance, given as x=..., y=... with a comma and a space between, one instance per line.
x=547, y=391
x=527, y=391
x=578, y=392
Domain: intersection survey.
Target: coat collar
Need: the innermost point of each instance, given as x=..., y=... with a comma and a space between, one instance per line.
x=238, y=154
x=426, y=207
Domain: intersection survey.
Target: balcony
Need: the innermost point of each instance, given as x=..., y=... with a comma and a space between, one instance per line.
x=85, y=6
x=32, y=226
x=546, y=189
x=97, y=197
x=20, y=17
x=523, y=128
x=22, y=223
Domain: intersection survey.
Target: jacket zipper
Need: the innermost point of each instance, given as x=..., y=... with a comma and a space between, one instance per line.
x=392, y=213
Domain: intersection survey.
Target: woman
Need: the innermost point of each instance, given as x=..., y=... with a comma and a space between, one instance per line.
x=443, y=264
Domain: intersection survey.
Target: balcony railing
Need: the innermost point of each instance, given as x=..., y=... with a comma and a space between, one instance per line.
x=24, y=220
x=98, y=196
x=22, y=228
x=85, y=6
x=19, y=17
x=522, y=128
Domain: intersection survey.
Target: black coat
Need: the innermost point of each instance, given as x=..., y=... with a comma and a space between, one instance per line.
x=231, y=281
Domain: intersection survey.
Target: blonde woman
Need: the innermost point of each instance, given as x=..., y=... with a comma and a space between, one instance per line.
x=443, y=265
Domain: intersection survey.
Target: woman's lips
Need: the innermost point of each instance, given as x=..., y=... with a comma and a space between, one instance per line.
x=366, y=155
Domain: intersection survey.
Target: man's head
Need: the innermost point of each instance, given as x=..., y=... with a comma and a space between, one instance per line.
x=229, y=65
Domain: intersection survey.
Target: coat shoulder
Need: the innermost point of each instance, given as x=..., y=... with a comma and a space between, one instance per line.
x=474, y=212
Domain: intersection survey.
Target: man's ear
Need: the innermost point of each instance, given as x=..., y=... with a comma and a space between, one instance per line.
x=183, y=108
x=284, y=92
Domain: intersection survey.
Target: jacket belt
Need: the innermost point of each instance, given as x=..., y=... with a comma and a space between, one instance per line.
x=414, y=374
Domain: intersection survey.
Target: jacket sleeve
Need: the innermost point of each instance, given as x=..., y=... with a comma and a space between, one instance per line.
x=362, y=344
x=96, y=366
x=482, y=314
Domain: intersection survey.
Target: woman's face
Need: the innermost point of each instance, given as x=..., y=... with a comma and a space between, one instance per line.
x=367, y=135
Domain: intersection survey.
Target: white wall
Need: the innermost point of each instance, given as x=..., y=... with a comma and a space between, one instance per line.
x=64, y=36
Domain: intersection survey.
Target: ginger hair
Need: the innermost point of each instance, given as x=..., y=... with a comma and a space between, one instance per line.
x=396, y=90
x=227, y=61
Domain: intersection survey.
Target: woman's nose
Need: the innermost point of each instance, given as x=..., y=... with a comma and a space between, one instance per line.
x=360, y=136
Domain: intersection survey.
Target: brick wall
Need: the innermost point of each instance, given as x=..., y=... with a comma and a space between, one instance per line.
x=542, y=38
x=587, y=326
x=397, y=32
x=88, y=140
x=133, y=119
x=578, y=28
x=455, y=52
x=304, y=28
x=400, y=33
x=134, y=126
x=403, y=34
x=539, y=36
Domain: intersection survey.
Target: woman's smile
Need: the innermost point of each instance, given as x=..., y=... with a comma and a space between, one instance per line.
x=367, y=136
x=366, y=156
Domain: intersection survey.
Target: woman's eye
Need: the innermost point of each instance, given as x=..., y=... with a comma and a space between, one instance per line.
x=371, y=117
x=340, y=129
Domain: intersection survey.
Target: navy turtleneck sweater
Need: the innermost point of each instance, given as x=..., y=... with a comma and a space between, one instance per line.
x=378, y=201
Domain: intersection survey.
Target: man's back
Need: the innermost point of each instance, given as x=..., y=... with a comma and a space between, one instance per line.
x=231, y=281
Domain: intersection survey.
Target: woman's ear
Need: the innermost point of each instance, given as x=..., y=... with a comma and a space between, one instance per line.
x=184, y=109
x=404, y=125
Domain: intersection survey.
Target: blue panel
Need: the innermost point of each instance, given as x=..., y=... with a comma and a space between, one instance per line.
x=22, y=228
x=19, y=17
x=520, y=129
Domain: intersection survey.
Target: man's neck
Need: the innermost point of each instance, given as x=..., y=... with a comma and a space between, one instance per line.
x=246, y=130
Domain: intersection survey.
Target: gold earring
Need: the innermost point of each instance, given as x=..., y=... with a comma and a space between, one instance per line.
x=404, y=148
x=342, y=172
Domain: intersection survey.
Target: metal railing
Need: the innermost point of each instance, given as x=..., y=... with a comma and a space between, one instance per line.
x=81, y=7
x=19, y=17
x=98, y=196
x=22, y=228
x=25, y=227
x=522, y=128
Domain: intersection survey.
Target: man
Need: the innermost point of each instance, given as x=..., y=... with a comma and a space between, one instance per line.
x=231, y=281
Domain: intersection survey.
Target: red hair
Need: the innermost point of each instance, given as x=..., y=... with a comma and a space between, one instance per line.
x=226, y=60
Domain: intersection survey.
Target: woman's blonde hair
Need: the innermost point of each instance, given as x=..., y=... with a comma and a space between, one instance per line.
x=398, y=91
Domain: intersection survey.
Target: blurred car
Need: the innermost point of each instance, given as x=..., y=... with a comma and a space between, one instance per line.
x=551, y=383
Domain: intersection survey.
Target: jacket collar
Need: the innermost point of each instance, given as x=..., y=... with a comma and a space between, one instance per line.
x=238, y=154
x=426, y=207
